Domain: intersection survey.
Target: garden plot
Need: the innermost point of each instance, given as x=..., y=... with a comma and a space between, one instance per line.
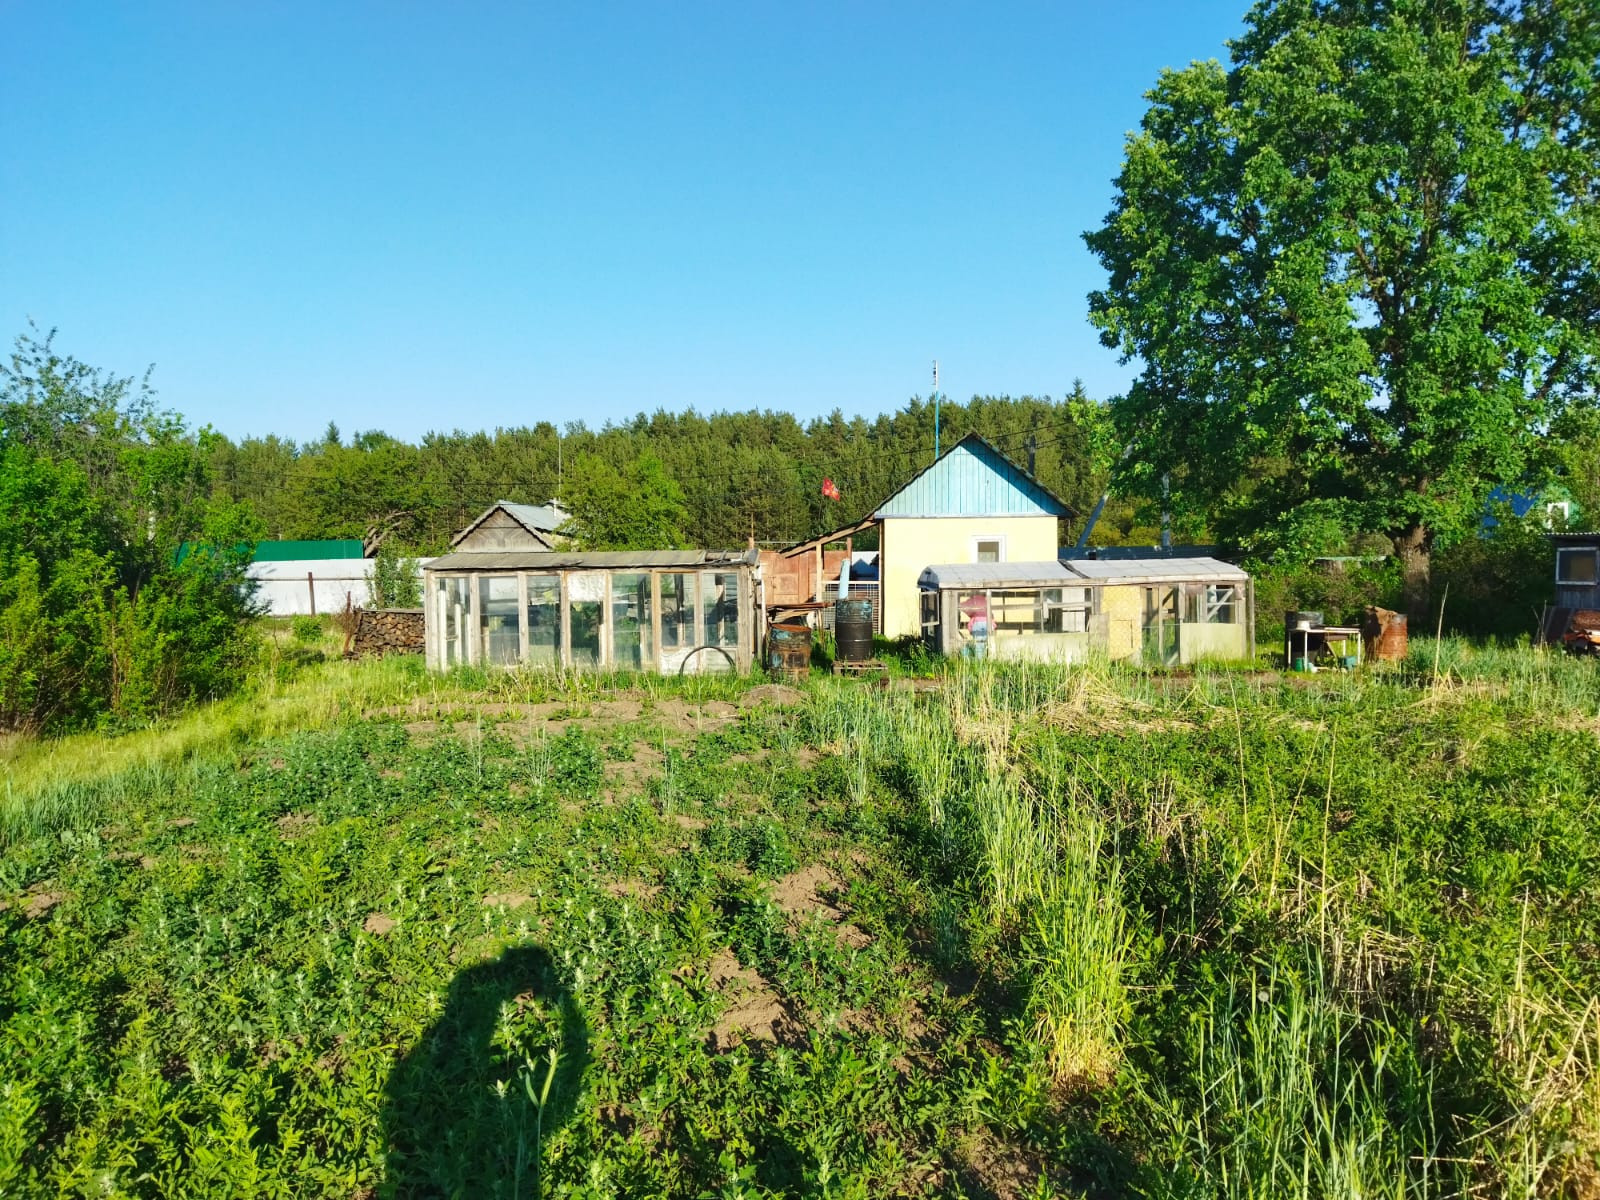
x=1029, y=933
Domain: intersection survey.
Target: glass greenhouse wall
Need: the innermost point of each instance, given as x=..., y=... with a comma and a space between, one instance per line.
x=1163, y=611
x=660, y=611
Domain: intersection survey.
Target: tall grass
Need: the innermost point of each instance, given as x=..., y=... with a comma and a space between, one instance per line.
x=313, y=699
x=1290, y=1092
x=56, y=774
x=1079, y=950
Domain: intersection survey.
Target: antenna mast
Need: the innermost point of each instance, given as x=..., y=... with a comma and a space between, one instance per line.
x=936, y=408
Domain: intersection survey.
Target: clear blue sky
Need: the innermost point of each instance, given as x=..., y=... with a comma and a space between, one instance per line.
x=415, y=216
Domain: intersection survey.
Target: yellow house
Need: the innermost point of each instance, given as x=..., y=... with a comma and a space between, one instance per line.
x=971, y=504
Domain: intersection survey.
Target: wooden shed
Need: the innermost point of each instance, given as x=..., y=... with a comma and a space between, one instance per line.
x=508, y=526
x=662, y=611
x=1577, y=582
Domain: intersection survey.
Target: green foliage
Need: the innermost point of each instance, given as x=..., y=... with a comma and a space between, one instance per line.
x=1358, y=265
x=1497, y=584
x=98, y=491
x=307, y=630
x=636, y=507
x=1328, y=940
x=395, y=580
x=1340, y=591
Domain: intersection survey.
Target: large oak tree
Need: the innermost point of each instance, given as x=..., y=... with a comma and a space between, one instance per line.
x=1358, y=266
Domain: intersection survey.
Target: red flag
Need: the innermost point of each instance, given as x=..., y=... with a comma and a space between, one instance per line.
x=829, y=490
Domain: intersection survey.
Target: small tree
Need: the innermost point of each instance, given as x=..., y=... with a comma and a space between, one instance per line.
x=123, y=581
x=394, y=581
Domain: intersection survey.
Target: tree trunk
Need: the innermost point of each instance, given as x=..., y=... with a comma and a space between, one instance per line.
x=1414, y=550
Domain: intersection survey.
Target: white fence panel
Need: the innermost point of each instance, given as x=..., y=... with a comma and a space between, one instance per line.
x=298, y=587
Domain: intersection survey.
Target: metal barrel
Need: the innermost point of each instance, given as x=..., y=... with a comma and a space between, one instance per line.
x=852, y=629
x=789, y=651
x=1386, y=635
x=1295, y=619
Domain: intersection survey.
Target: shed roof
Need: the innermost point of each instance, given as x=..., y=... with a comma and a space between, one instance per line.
x=1159, y=570
x=300, y=551
x=822, y=539
x=973, y=479
x=537, y=519
x=1003, y=574
x=559, y=560
x=1080, y=573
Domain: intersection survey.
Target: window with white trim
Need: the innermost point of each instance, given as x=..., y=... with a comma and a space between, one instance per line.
x=989, y=548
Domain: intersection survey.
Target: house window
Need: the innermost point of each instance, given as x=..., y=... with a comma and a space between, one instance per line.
x=1557, y=512
x=1575, y=566
x=989, y=548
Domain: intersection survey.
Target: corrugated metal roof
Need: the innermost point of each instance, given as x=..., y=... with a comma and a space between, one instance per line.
x=558, y=560
x=998, y=575
x=973, y=479
x=299, y=551
x=1158, y=570
x=545, y=518
x=1080, y=572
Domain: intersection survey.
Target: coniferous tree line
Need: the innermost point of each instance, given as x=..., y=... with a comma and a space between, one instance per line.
x=719, y=478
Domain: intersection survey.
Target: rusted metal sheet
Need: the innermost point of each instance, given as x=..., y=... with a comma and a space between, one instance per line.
x=1384, y=634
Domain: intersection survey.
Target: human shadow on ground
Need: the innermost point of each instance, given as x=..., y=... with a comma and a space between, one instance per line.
x=458, y=1119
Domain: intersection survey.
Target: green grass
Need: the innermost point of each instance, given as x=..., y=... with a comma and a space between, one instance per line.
x=1034, y=932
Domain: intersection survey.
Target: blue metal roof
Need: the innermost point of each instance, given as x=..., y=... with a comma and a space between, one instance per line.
x=973, y=479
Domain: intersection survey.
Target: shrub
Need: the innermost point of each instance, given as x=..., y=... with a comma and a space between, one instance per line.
x=394, y=580
x=123, y=587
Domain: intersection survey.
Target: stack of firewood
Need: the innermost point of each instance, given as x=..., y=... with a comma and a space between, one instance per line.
x=387, y=631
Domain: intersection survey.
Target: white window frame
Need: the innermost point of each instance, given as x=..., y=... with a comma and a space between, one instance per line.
x=979, y=538
x=1215, y=598
x=1082, y=609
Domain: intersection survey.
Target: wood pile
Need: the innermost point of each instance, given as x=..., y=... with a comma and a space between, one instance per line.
x=387, y=631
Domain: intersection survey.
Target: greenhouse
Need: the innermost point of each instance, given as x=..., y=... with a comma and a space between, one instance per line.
x=667, y=611
x=1158, y=611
